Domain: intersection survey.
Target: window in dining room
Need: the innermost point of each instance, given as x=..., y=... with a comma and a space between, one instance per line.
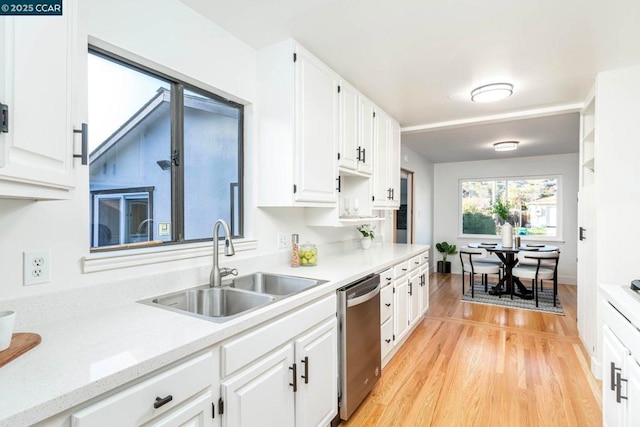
x=533, y=207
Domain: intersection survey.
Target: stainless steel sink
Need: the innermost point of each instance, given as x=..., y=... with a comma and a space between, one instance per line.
x=274, y=284
x=239, y=296
x=218, y=304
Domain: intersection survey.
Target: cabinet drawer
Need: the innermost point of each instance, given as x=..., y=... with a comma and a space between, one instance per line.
x=386, y=303
x=624, y=330
x=134, y=405
x=415, y=262
x=386, y=278
x=386, y=337
x=239, y=352
x=424, y=258
x=400, y=269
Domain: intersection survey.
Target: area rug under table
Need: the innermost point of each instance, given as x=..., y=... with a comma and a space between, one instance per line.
x=545, y=299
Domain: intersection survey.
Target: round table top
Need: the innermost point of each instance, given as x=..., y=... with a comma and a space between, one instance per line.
x=497, y=247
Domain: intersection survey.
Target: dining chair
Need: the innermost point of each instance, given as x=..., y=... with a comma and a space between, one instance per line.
x=469, y=258
x=545, y=267
x=522, y=261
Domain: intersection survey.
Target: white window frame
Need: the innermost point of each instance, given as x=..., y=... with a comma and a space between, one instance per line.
x=559, y=208
x=122, y=196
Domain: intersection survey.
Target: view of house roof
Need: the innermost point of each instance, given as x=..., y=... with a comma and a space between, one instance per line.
x=162, y=97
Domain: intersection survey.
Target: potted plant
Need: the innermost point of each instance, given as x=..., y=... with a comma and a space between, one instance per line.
x=367, y=235
x=445, y=249
x=501, y=209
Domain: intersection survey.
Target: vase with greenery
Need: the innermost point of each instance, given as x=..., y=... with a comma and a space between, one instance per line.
x=368, y=234
x=445, y=250
x=501, y=209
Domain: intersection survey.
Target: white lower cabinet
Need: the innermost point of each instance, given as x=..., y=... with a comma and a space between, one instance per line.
x=414, y=297
x=424, y=288
x=180, y=396
x=317, y=359
x=621, y=372
x=200, y=412
x=401, y=306
x=292, y=379
x=262, y=395
x=402, y=303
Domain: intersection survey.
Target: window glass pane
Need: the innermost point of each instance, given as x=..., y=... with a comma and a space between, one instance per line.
x=137, y=220
x=108, y=230
x=211, y=165
x=534, y=206
x=477, y=200
x=130, y=143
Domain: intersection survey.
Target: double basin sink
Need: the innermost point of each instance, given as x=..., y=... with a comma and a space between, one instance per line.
x=240, y=296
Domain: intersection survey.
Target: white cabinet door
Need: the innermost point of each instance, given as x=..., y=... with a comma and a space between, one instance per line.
x=317, y=368
x=349, y=127
x=614, y=354
x=386, y=303
x=196, y=413
x=587, y=289
x=632, y=391
x=424, y=288
x=367, y=153
x=414, y=296
x=393, y=168
x=381, y=193
x=402, y=305
x=40, y=85
x=261, y=395
x=316, y=129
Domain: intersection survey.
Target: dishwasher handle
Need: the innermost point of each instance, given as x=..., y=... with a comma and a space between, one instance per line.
x=363, y=298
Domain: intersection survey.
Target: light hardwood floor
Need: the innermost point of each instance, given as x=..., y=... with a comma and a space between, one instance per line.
x=469, y=364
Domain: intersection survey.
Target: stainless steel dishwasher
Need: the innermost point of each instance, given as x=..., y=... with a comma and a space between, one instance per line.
x=360, y=361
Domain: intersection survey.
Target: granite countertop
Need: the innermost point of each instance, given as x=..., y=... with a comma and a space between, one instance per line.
x=84, y=356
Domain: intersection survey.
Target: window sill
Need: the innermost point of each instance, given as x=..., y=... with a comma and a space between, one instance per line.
x=113, y=260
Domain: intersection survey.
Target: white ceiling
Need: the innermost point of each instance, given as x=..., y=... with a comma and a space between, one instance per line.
x=417, y=59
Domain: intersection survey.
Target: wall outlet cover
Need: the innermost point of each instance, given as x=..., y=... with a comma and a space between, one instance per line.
x=37, y=267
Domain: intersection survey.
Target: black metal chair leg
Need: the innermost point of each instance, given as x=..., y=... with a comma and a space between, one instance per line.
x=473, y=284
x=462, y=281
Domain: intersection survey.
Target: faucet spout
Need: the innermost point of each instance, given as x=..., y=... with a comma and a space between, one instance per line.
x=216, y=274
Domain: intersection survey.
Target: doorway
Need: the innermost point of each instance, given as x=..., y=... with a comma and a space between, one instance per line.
x=403, y=219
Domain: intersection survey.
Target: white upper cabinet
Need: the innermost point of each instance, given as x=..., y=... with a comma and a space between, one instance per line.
x=348, y=153
x=356, y=131
x=386, y=170
x=43, y=86
x=298, y=128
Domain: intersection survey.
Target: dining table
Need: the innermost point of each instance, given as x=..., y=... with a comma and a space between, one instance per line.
x=508, y=256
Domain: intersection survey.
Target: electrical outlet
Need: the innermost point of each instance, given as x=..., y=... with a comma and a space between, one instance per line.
x=37, y=267
x=283, y=243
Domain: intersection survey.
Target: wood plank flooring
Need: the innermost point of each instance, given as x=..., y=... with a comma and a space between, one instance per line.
x=469, y=364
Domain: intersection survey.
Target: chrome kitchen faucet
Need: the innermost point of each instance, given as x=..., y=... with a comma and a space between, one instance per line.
x=216, y=273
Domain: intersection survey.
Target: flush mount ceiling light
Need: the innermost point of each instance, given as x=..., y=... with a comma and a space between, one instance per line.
x=505, y=146
x=492, y=92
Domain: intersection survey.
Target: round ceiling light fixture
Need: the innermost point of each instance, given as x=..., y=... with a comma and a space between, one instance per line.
x=506, y=146
x=492, y=92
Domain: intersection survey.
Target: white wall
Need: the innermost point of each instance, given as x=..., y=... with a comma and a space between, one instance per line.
x=447, y=200
x=423, y=186
x=168, y=34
